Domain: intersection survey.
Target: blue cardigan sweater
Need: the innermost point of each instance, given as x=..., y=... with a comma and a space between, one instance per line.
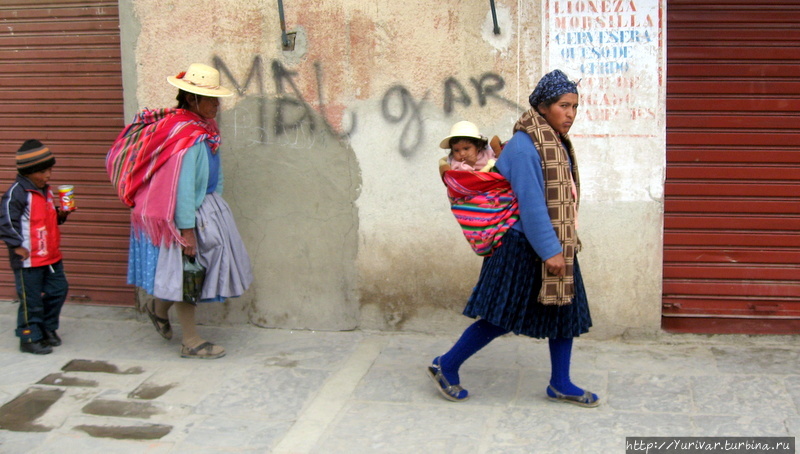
x=521, y=165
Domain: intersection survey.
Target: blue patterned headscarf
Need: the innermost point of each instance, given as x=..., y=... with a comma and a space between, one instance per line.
x=552, y=85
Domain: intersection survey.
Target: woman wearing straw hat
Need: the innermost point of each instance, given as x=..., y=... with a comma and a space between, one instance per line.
x=166, y=167
x=531, y=284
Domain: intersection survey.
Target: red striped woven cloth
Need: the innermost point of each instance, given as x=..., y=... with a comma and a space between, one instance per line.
x=484, y=206
x=149, y=141
x=140, y=164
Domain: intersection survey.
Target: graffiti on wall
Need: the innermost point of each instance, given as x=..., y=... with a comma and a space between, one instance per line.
x=293, y=113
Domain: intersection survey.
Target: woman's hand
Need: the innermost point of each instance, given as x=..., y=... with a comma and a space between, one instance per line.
x=556, y=265
x=190, y=248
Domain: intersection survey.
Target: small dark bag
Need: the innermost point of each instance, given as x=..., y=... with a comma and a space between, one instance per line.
x=193, y=276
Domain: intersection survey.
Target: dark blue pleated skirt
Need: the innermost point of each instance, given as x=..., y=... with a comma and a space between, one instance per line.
x=507, y=293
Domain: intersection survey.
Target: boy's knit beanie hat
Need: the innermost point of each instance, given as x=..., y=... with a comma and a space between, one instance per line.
x=34, y=157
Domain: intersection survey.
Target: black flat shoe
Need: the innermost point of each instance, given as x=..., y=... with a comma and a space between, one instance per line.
x=453, y=393
x=51, y=338
x=37, y=348
x=587, y=399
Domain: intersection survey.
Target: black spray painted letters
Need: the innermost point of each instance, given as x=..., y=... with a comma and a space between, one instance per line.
x=398, y=105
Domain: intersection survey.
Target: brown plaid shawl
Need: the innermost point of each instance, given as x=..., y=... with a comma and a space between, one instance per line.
x=560, y=202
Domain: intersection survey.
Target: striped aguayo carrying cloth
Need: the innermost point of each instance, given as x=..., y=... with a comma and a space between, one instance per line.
x=141, y=168
x=484, y=206
x=149, y=141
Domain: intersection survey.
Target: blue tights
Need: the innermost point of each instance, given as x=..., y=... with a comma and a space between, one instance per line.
x=560, y=357
x=475, y=337
x=481, y=333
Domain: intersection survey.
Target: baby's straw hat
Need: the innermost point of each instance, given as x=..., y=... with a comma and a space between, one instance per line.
x=461, y=129
x=200, y=79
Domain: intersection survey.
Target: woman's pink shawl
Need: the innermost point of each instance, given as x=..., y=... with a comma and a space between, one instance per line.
x=484, y=206
x=145, y=162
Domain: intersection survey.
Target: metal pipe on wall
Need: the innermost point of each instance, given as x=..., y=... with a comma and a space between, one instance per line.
x=284, y=38
x=494, y=18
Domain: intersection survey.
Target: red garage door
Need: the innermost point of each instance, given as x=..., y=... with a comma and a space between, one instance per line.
x=732, y=204
x=61, y=83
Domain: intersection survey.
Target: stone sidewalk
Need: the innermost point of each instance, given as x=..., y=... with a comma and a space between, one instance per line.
x=116, y=386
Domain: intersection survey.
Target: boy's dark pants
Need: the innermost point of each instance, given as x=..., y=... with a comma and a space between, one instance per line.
x=42, y=291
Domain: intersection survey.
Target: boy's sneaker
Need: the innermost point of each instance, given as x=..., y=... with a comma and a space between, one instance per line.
x=37, y=348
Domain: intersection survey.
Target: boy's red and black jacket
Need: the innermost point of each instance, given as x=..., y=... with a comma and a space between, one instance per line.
x=29, y=219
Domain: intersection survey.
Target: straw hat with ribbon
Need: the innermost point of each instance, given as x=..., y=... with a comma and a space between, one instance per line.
x=200, y=79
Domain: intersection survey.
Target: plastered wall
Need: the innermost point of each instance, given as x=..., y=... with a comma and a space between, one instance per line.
x=330, y=148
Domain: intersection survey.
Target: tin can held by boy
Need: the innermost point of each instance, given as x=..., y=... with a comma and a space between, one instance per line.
x=66, y=197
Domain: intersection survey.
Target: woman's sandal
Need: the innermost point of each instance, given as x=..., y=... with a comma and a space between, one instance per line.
x=162, y=324
x=453, y=393
x=202, y=351
x=588, y=399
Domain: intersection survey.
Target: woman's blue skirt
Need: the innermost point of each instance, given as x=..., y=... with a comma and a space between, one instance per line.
x=507, y=293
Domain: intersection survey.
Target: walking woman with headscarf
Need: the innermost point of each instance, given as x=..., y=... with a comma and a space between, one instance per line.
x=531, y=283
x=166, y=167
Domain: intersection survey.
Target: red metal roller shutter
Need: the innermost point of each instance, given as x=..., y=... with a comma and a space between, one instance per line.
x=61, y=83
x=732, y=202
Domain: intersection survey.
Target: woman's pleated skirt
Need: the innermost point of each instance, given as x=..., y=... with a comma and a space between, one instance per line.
x=507, y=293
x=159, y=270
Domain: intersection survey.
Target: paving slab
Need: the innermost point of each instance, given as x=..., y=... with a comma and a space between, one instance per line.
x=116, y=386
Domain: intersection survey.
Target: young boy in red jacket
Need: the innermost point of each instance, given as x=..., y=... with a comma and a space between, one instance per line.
x=29, y=223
